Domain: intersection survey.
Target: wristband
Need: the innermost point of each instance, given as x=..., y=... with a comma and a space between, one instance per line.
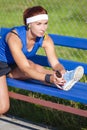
x=47, y=78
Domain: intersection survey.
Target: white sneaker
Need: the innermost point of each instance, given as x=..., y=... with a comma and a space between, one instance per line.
x=72, y=77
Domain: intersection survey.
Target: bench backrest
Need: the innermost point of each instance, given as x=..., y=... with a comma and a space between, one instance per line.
x=4, y=31
x=68, y=41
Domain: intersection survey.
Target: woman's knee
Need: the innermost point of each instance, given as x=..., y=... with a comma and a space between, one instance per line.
x=4, y=96
x=4, y=107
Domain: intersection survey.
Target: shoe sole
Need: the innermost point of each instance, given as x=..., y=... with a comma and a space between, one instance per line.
x=77, y=76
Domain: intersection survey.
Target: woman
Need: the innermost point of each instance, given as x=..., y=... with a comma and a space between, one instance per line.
x=19, y=44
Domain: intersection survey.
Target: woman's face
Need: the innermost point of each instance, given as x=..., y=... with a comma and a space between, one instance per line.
x=38, y=28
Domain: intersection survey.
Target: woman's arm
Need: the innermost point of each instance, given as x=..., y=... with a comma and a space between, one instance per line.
x=49, y=47
x=15, y=46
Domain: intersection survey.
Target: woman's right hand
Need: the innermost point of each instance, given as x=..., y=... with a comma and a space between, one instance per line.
x=58, y=81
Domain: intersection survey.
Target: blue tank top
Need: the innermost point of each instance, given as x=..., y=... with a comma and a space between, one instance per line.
x=5, y=54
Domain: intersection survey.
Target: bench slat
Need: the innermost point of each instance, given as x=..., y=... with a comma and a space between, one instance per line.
x=69, y=41
x=68, y=64
x=78, y=93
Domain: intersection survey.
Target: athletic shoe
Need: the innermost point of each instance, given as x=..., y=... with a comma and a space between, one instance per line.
x=72, y=77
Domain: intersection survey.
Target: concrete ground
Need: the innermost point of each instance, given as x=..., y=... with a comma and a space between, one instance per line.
x=9, y=123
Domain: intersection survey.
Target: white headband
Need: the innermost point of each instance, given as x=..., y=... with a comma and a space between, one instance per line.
x=37, y=18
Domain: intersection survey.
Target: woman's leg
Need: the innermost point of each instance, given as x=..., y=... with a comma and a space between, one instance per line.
x=4, y=97
x=17, y=74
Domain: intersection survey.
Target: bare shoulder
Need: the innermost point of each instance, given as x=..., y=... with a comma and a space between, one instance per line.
x=12, y=38
x=47, y=40
x=10, y=34
x=47, y=37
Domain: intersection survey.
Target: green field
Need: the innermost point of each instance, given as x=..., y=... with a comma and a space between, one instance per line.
x=66, y=17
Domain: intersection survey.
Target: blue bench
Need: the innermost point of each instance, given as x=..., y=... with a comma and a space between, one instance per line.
x=77, y=94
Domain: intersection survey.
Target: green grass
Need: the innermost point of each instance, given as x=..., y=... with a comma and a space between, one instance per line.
x=66, y=17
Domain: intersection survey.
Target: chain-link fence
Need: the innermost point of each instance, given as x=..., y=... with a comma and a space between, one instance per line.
x=66, y=17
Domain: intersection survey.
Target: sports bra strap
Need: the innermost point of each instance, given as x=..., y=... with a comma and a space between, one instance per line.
x=14, y=33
